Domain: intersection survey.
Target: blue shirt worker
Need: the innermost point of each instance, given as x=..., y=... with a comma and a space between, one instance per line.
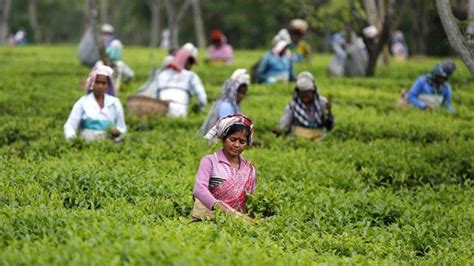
x=432, y=90
x=276, y=65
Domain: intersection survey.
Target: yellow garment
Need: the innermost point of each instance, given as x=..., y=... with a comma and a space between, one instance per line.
x=303, y=48
x=308, y=133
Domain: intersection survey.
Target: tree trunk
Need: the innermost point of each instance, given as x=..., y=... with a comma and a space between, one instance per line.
x=470, y=28
x=382, y=9
x=155, y=6
x=174, y=19
x=372, y=13
x=171, y=14
x=424, y=27
x=455, y=37
x=104, y=11
x=92, y=20
x=327, y=36
x=375, y=13
x=33, y=17
x=4, y=14
x=374, y=49
x=199, y=25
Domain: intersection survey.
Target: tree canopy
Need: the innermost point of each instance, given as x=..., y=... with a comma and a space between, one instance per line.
x=247, y=23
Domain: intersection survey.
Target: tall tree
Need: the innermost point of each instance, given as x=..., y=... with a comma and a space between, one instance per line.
x=199, y=24
x=174, y=19
x=155, y=8
x=5, y=6
x=33, y=18
x=421, y=28
x=470, y=27
x=375, y=12
x=455, y=37
x=385, y=9
x=374, y=17
x=92, y=18
x=104, y=11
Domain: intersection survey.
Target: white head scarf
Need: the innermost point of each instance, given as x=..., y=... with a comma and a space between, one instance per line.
x=229, y=95
x=282, y=35
x=279, y=46
x=223, y=125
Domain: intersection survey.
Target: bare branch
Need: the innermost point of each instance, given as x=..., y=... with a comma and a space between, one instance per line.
x=455, y=37
x=182, y=10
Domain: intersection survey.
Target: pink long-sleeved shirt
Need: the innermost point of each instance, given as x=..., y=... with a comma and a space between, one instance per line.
x=224, y=53
x=213, y=170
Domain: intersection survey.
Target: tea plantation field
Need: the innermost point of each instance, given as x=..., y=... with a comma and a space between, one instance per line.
x=386, y=186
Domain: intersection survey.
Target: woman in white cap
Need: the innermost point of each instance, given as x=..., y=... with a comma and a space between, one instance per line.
x=121, y=70
x=108, y=34
x=97, y=115
x=300, y=49
x=398, y=46
x=308, y=114
x=232, y=94
x=276, y=65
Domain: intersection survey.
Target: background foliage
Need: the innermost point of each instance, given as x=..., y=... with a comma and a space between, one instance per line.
x=247, y=23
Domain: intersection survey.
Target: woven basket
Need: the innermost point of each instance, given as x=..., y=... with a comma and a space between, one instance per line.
x=144, y=106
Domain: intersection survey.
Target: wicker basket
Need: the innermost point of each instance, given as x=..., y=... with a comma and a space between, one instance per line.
x=144, y=106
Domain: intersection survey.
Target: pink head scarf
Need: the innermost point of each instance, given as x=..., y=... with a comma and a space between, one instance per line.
x=104, y=71
x=180, y=59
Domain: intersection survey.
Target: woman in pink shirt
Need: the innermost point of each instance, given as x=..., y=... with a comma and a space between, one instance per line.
x=220, y=50
x=225, y=178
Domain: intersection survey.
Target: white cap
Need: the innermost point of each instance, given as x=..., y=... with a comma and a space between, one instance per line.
x=370, y=31
x=298, y=24
x=305, y=81
x=107, y=28
x=190, y=48
x=241, y=76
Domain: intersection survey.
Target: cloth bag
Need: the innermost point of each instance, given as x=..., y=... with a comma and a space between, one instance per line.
x=88, y=52
x=433, y=101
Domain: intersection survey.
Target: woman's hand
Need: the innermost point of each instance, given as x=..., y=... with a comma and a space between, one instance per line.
x=276, y=131
x=114, y=132
x=256, y=143
x=329, y=105
x=229, y=210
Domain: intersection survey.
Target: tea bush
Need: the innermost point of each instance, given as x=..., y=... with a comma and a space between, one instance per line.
x=385, y=187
